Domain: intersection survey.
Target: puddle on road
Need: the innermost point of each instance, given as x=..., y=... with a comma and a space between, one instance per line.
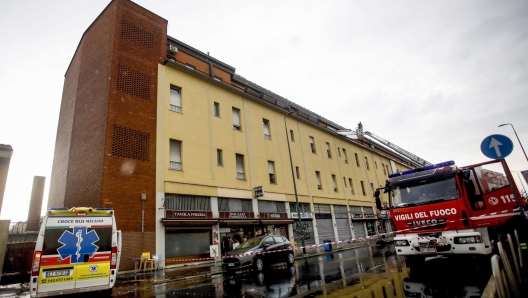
x=365, y=272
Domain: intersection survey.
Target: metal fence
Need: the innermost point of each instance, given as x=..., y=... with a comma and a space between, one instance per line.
x=20, y=247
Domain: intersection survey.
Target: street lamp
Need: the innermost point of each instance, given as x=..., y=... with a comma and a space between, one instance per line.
x=293, y=178
x=517, y=138
x=519, y=176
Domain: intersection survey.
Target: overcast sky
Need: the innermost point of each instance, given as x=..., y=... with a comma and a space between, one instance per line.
x=433, y=77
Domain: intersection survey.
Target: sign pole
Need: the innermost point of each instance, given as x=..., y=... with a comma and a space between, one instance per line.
x=511, y=182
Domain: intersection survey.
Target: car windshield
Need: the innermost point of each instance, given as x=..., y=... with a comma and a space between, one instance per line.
x=422, y=192
x=252, y=242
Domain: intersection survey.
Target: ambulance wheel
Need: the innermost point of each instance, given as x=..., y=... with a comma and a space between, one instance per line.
x=106, y=293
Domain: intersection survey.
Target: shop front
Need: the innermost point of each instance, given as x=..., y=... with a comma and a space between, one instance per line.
x=325, y=226
x=304, y=229
x=275, y=223
x=342, y=223
x=188, y=234
x=358, y=221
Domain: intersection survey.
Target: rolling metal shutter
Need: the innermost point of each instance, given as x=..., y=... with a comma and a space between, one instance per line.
x=359, y=229
x=343, y=229
x=325, y=229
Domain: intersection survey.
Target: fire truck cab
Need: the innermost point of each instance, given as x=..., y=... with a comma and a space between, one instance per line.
x=447, y=210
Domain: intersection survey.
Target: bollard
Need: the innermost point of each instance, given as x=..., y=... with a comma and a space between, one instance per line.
x=495, y=267
x=521, y=258
x=507, y=268
x=514, y=258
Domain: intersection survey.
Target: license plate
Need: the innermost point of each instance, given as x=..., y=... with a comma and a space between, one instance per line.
x=57, y=273
x=231, y=264
x=428, y=249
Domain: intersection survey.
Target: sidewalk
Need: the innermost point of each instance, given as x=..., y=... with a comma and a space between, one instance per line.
x=211, y=267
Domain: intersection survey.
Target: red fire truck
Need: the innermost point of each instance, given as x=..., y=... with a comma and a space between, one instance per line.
x=443, y=209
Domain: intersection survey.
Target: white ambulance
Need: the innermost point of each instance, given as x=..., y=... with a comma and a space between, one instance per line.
x=77, y=250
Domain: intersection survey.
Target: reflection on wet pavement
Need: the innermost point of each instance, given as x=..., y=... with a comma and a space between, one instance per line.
x=361, y=272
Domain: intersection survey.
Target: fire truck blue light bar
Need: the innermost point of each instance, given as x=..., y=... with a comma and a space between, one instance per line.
x=438, y=165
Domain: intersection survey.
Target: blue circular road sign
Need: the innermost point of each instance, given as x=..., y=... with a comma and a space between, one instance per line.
x=496, y=146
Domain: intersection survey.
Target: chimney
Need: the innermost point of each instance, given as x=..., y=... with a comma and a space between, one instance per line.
x=35, y=205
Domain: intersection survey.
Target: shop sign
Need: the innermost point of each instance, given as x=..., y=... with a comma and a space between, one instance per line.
x=369, y=215
x=274, y=215
x=236, y=215
x=259, y=191
x=356, y=215
x=303, y=215
x=188, y=214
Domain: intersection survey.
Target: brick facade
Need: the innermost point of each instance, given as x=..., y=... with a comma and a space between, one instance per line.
x=106, y=138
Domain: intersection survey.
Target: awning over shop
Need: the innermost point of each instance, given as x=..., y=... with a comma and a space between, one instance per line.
x=171, y=222
x=235, y=222
x=277, y=221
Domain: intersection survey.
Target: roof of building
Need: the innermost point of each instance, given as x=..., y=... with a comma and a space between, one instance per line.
x=267, y=97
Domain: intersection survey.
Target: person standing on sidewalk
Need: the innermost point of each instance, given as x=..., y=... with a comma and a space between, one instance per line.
x=225, y=244
x=237, y=240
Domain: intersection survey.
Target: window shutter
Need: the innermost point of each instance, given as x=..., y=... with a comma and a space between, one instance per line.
x=317, y=178
x=175, y=98
x=266, y=128
x=270, y=167
x=240, y=163
x=175, y=151
x=236, y=117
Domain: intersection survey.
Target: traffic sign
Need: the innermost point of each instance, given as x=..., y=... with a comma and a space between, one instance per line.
x=496, y=146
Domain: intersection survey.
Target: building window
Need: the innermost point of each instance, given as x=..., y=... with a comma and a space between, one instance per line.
x=372, y=187
x=383, y=166
x=387, y=169
x=189, y=66
x=345, y=155
x=236, y=119
x=219, y=157
x=351, y=185
x=328, y=150
x=234, y=205
x=175, y=99
x=357, y=159
x=218, y=79
x=217, y=109
x=240, y=167
x=318, y=180
x=266, y=129
x=291, y=136
x=322, y=209
x=175, y=155
x=344, y=181
x=363, y=188
x=271, y=171
x=334, y=182
x=376, y=165
x=312, y=144
x=338, y=152
x=366, y=163
x=298, y=172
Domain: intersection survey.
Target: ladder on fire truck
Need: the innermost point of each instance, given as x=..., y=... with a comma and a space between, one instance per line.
x=372, y=137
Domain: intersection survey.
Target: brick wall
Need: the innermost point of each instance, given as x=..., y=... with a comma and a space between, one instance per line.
x=106, y=140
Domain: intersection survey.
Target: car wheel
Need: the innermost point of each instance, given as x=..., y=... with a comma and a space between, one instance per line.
x=259, y=264
x=291, y=259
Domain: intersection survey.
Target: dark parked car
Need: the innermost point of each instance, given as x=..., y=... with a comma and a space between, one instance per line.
x=258, y=253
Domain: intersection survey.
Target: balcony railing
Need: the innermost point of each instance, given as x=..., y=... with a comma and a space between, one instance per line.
x=175, y=165
x=175, y=108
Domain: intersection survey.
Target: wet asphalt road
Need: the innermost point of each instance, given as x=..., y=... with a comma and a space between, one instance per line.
x=360, y=272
